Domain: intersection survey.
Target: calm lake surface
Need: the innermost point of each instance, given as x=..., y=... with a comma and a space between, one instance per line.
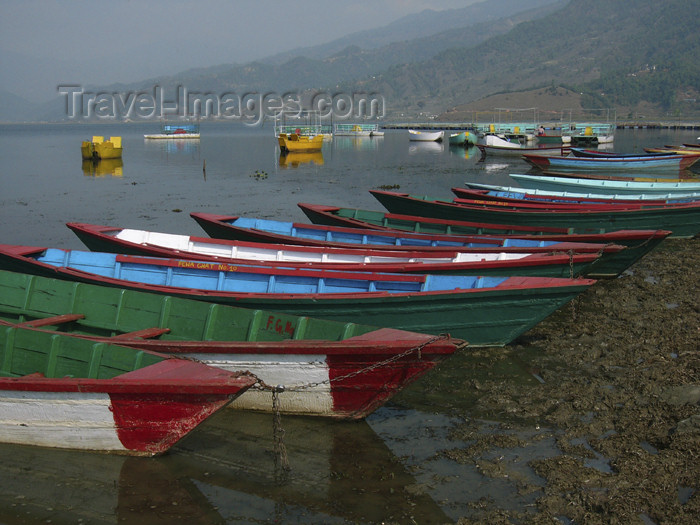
x=390, y=467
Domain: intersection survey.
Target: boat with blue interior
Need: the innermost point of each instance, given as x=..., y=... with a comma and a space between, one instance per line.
x=176, y=131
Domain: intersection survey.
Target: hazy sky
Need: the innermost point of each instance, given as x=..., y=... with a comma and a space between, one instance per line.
x=100, y=41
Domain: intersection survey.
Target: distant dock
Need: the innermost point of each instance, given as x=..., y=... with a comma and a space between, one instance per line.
x=485, y=126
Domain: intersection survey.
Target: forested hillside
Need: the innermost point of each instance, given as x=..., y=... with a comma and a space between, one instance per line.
x=615, y=53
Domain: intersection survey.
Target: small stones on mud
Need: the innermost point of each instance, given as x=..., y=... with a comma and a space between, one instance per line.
x=621, y=395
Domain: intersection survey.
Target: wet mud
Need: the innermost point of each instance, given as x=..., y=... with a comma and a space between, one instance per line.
x=614, y=380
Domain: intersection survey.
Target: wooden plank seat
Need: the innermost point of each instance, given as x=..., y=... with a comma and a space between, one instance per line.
x=56, y=319
x=146, y=333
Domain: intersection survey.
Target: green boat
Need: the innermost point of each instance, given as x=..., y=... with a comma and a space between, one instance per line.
x=341, y=370
x=683, y=220
x=637, y=243
x=485, y=311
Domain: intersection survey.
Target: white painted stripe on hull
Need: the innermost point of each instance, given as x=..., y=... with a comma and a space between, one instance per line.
x=292, y=372
x=58, y=419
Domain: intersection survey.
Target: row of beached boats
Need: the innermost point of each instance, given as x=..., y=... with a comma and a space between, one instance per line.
x=127, y=346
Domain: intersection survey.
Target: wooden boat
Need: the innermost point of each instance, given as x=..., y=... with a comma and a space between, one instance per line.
x=333, y=369
x=683, y=220
x=582, y=164
x=678, y=189
x=552, y=135
x=496, y=146
x=99, y=149
x=425, y=136
x=594, y=153
x=295, y=143
x=523, y=201
x=674, y=150
x=175, y=131
x=447, y=262
x=499, y=151
x=463, y=138
x=251, y=229
x=457, y=139
x=357, y=130
x=67, y=392
x=637, y=242
x=612, y=261
x=484, y=311
x=575, y=196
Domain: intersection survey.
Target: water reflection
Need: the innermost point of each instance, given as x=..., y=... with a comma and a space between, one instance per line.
x=468, y=152
x=225, y=471
x=366, y=143
x=103, y=168
x=173, y=146
x=418, y=148
x=294, y=159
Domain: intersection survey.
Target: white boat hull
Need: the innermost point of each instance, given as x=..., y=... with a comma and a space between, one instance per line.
x=304, y=378
x=425, y=136
x=171, y=136
x=70, y=420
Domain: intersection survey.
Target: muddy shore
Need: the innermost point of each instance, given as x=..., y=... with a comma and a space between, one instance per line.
x=615, y=381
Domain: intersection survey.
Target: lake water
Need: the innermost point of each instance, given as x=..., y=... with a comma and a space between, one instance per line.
x=390, y=467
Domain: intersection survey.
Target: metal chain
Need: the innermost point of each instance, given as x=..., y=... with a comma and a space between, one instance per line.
x=281, y=458
x=298, y=388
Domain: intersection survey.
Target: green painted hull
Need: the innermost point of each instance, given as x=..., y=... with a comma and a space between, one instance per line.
x=113, y=311
x=490, y=318
x=682, y=221
x=482, y=317
x=24, y=352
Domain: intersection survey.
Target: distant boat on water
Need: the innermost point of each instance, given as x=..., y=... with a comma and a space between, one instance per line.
x=98, y=148
x=425, y=136
x=176, y=131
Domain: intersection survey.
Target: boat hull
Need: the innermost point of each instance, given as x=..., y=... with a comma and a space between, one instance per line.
x=483, y=311
x=665, y=163
x=637, y=242
x=582, y=196
x=155, y=244
x=64, y=392
x=678, y=189
x=99, y=149
x=310, y=357
x=300, y=143
x=518, y=151
x=682, y=220
x=425, y=136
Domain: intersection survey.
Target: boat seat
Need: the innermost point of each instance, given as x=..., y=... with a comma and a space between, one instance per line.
x=56, y=319
x=146, y=333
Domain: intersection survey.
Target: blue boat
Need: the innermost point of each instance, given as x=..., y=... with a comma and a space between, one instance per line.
x=485, y=311
x=176, y=131
x=250, y=229
x=668, y=163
